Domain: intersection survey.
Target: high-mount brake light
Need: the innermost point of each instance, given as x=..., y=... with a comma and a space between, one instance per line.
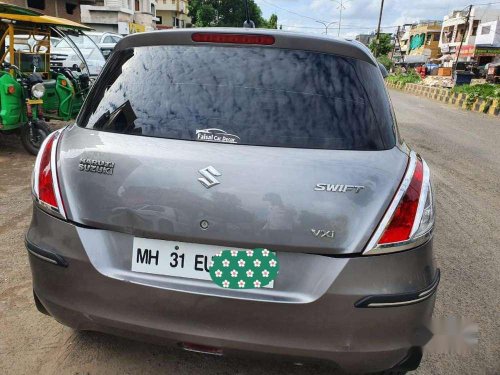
x=409, y=221
x=225, y=38
x=45, y=183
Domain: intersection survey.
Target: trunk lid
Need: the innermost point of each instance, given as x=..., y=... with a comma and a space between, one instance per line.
x=266, y=196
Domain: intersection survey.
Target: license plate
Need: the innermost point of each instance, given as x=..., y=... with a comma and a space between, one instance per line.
x=178, y=259
x=34, y=101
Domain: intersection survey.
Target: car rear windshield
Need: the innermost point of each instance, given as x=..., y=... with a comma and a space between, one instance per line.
x=243, y=95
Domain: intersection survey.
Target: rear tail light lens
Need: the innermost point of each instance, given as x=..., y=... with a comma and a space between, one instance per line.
x=266, y=40
x=410, y=218
x=45, y=184
x=46, y=192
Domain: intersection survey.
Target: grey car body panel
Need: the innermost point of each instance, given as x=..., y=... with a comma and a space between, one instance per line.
x=330, y=327
x=286, y=40
x=266, y=196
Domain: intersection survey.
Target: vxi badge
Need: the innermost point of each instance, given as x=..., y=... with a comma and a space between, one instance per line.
x=337, y=188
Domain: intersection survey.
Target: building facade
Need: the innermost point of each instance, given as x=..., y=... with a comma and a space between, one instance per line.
x=120, y=16
x=365, y=38
x=422, y=42
x=479, y=37
x=401, y=43
x=69, y=9
x=172, y=14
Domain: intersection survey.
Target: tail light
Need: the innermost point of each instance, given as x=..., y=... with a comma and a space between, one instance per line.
x=409, y=221
x=45, y=183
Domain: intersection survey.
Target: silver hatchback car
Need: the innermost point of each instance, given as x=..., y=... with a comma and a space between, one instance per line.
x=233, y=190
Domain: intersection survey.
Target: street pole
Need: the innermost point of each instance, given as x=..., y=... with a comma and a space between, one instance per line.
x=378, y=28
x=326, y=25
x=465, y=34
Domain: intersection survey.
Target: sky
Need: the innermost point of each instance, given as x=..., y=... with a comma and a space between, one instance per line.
x=359, y=16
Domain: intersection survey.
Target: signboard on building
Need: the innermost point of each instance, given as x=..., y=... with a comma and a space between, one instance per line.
x=487, y=51
x=467, y=50
x=136, y=28
x=473, y=51
x=123, y=28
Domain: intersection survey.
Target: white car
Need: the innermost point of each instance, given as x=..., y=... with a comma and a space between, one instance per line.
x=63, y=54
x=105, y=41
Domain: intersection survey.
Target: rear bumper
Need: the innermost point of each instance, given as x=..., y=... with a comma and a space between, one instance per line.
x=330, y=327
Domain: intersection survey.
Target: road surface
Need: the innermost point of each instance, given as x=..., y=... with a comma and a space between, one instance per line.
x=462, y=149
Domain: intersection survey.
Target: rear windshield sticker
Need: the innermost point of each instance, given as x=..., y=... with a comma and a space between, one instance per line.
x=216, y=135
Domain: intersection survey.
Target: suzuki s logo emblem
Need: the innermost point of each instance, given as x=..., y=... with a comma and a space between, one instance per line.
x=208, y=180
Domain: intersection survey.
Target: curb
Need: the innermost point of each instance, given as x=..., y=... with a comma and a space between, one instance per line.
x=486, y=106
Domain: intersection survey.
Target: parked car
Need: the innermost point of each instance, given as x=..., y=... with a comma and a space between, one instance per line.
x=270, y=144
x=63, y=55
x=105, y=41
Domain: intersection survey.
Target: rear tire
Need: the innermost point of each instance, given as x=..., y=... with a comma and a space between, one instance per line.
x=33, y=140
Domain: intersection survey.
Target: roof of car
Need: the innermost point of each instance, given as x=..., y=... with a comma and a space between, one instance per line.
x=283, y=39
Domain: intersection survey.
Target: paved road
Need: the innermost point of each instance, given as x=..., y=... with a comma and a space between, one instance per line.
x=463, y=151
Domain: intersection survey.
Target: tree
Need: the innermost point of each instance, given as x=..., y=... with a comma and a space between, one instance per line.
x=385, y=61
x=227, y=13
x=384, y=46
x=273, y=22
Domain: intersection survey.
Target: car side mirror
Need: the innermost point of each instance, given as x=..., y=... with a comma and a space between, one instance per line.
x=383, y=70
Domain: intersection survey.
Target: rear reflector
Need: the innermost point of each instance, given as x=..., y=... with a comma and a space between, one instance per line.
x=266, y=40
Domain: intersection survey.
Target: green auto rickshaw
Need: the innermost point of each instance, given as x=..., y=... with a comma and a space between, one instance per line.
x=35, y=86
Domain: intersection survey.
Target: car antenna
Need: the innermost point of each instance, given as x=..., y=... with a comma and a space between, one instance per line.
x=248, y=24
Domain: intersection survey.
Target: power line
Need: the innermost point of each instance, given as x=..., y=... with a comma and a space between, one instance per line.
x=496, y=2
x=341, y=6
x=345, y=27
x=291, y=11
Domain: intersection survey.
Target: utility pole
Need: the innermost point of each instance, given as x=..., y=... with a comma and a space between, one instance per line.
x=399, y=44
x=465, y=34
x=327, y=25
x=377, y=40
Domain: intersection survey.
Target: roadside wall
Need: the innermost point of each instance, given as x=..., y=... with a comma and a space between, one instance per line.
x=491, y=106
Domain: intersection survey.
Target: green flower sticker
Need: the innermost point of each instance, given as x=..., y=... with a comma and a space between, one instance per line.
x=250, y=269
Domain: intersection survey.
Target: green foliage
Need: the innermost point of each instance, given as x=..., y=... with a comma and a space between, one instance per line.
x=227, y=13
x=273, y=22
x=384, y=45
x=481, y=91
x=486, y=92
x=404, y=78
x=385, y=61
